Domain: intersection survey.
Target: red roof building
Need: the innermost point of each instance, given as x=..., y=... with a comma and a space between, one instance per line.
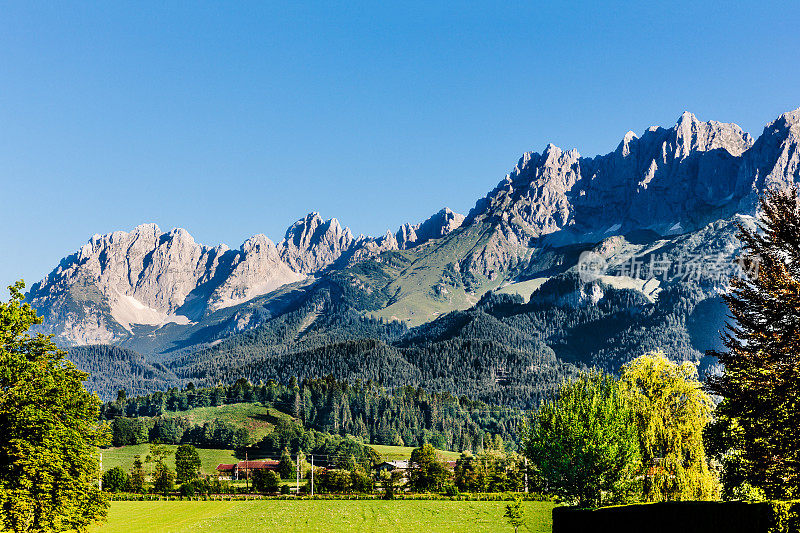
x=244, y=469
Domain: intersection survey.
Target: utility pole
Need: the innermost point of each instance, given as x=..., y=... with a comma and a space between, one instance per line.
x=312, y=475
x=298, y=474
x=526, y=475
x=246, y=480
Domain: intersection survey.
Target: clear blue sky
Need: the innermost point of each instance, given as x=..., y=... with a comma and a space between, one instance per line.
x=230, y=119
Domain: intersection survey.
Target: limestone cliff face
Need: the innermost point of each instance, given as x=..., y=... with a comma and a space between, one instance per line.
x=442, y=223
x=148, y=277
x=257, y=269
x=670, y=181
x=312, y=243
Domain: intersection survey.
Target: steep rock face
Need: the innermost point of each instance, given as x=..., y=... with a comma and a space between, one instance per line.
x=146, y=277
x=773, y=161
x=139, y=277
x=669, y=180
x=312, y=243
x=665, y=178
x=435, y=227
x=257, y=269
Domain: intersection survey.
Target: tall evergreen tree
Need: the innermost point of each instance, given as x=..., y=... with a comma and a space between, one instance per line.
x=137, y=475
x=286, y=467
x=761, y=380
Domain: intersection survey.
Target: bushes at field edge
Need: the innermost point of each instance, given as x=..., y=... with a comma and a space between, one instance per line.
x=686, y=517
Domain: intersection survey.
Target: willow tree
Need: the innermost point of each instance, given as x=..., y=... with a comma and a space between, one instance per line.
x=49, y=464
x=671, y=412
x=760, y=384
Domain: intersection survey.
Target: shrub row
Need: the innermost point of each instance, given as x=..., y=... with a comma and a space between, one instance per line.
x=684, y=517
x=495, y=496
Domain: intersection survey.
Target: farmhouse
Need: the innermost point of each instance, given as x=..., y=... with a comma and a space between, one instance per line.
x=391, y=465
x=244, y=469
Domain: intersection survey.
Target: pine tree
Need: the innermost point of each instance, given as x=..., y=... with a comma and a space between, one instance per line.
x=137, y=475
x=761, y=381
x=286, y=466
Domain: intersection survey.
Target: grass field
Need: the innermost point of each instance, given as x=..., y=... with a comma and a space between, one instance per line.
x=398, y=453
x=123, y=457
x=319, y=515
x=258, y=420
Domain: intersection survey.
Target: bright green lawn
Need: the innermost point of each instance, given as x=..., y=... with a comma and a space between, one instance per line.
x=398, y=453
x=319, y=515
x=123, y=457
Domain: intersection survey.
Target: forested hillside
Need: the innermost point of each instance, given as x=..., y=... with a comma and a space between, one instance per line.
x=405, y=416
x=112, y=368
x=503, y=351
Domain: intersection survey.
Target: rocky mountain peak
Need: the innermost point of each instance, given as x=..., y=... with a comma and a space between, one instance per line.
x=438, y=225
x=773, y=160
x=648, y=181
x=669, y=181
x=256, y=243
x=312, y=243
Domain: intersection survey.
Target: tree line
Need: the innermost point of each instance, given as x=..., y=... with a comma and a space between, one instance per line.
x=405, y=416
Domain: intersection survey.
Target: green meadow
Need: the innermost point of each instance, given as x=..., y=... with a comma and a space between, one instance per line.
x=123, y=457
x=256, y=418
x=320, y=515
x=399, y=453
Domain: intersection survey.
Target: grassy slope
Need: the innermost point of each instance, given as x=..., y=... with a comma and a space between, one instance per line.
x=398, y=453
x=258, y=420
x=123, y=457
x=415, y=301
x=319, y=515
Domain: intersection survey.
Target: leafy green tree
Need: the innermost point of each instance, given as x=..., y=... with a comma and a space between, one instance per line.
x=163, y=478
x=187, y=463
x=336, y=480
x=286, y=467
x=187, y=489
x=391, y=481
x=360, y=480
x=759, y=386
x=137, y=475
x=468, y=473
x=515, y=514
x=266, y=481
x=116, y=480
x=158, y=453
x=672, y=411
x=49, y=462
x=584, y=442
x=426, y=472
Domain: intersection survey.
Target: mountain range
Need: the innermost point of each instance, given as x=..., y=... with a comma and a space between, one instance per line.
x=656, y=205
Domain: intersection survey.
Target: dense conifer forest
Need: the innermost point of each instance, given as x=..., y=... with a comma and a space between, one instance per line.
x=369, y=413
x=503, y=351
